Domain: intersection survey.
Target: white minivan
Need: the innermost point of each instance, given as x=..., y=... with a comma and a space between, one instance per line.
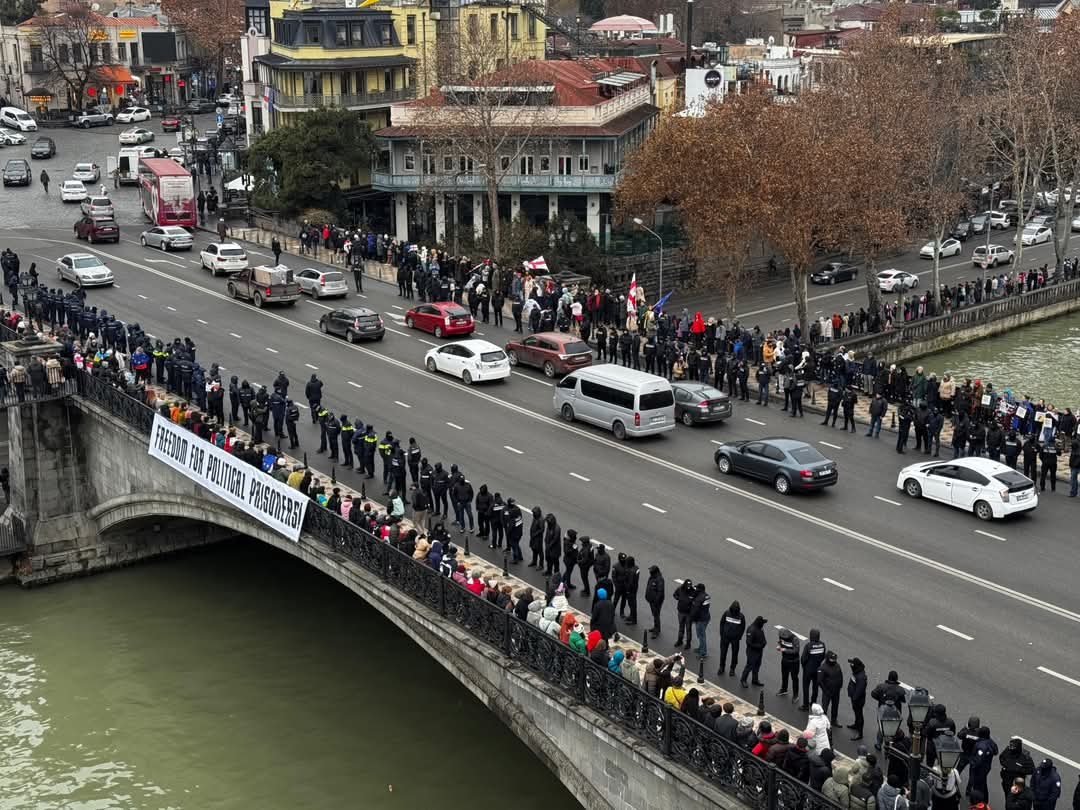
x=17, y=119
x=624, y=401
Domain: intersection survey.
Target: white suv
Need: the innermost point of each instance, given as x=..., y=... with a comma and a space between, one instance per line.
x=19, y=119
x=991, y=256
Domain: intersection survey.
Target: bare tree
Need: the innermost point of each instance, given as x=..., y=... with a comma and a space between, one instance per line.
x=214, y=26
x=69, y=47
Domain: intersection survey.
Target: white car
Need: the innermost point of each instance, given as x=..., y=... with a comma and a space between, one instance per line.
x=1000, y=219
x=991, y=255
x=894, y=280
x=1034, y=235
x=1076, y=224
x=322, y=283
x=470, y=360
x=10, y=137
x=87, y=172
x=177, y=154
x=84, y=270
x=949, y=247
x=72, y=191
x=167, y=237
x=136, y=135
x=988, y=488
x=132, y=115
x=223, y=257
x=99, y=207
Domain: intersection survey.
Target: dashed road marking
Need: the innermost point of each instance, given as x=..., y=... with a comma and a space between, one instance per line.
x=956, y=633
x=655, y=508
x=143, y=297
x=1058, y=675
x=402, y=404
x=171, y=309
x=991, y=536
x=830, y=444
x=1054, y=755
x=714, y=441
x=797, y=635
x=355, y=384
x=455, y=427
x=481, y=334
x=195, y=261
x=204, y=323
x=580, y=477
x=428, y=342
x=739, y=543
x=272, y=351
x=317, y=304
x=512, y=449
x=302, y=405
x=755, y=421
x=395, y=306
x=886, y=500
x=238, y=337
x=530, y=379
x=313, y=368
x=396, y=315
x=399, y=332
x=839, y=585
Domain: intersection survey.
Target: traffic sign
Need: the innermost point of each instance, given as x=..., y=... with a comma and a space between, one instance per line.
x=220, y=118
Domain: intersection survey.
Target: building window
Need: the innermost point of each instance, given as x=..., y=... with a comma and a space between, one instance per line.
x=313, y=82
x=312, y=33
x=493, y=23
x=356, y=34
x=259, y=19
x=513, y=20
x=134, y=53
x=361, y=82
x=106, y=53
x=448, y=164
x=410, y=30
x=121, y=51
x=583, y=164
x=76, y=54
x=525, y=164
x=386, y=35
x=566, y=164
x=465, y=165
x=343, y=80
x=474, y=26
x=504, y=163
x=341, y=34
x=92, y=48
x=545, y=164
x=531, y=26
x=388, y=80
x=428, y=163
x=410, y=162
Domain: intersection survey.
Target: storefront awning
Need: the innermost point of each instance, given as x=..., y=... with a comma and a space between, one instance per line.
x=114, y=74
x=40, y=92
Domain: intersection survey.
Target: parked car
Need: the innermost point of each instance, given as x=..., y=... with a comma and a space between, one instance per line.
x=72, y=191
x=698, y=402
x=87, y=172
x=440, y=318
x=789, y=464
x=470, y=360
x=200, y=105
x=170, y=123
x=975, y=484
x=834, y=272
x=17, y=173
x=94, y=230
x=9, y=137
x=84, y=270
x=948, y=247
x=43, y=148
x=895, y=280
x=136, y=135
x=98, y=206
x=978, y=223
x=353, y=324
x=322, y=283
x=94, y=117
x=963, y=230
x=1042, y=219
x=167, y=237
x=17, y=119
x=554, y=352
x=1034, y=235
x=1076, y=223
x=991, y=256
x=223, y=257
x=132, y=115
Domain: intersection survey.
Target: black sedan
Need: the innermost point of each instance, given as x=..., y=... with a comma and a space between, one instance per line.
x=788, y=464
x=699, y=402
x=17, y=173
x=43, y=148
x=834, y=272
x=353, y=324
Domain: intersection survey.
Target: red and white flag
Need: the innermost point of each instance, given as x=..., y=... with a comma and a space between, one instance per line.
x=536, y=264
x=631, y=299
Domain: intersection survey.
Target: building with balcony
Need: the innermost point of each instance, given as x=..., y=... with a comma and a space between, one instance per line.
x=567, y=138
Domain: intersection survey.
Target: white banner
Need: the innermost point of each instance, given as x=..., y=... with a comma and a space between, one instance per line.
x=234, y=481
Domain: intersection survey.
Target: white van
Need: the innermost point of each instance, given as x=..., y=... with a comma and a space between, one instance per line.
x=624, y=401
x=17, y=119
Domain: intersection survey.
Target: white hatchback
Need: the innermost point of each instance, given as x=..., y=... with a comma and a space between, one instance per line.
x=988, y=488
x=895, y=280
x=469, y=360
x=132, y=115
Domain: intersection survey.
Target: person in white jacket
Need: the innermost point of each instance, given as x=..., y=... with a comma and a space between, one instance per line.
x=817, y=728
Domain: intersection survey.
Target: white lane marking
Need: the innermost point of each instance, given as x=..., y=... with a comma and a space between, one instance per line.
x=678, y=581
x=428, y=342
x=512, y=449
x=238, y=337
x=399, y=332
x=739, y=543
x=1054, y=755
x=313, y=368
x=317, y=304
x=1065, y=678
x=991, y=536
x=886, y=500
x=171, y=309
x=714, y=441
x=195, y=261
x=480, y=333
x=402, y=404
x=257, y=253
x=840, y=585
x=956, y=633
x=830, y=444
x=717, y=483
x=580, y=477
x=204, y=323
x=455, y=427
x=395, y=315
x=655, y=508
x=755, y=421
x=355, y=384
x=361, y=295
x=797, y=635
x=165, y=261
x=272, y=351
x=143, y=297
x=395, y=306
x=302, y=405
x=530, y=379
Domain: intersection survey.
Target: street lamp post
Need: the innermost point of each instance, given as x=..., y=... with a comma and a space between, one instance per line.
x=641, y=224
x=946, y=745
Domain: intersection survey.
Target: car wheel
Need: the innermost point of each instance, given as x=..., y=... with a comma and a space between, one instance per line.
x=322, y=327
x=350, y=335
x=59, y=274
x=410, y=323
x=431, y=365
x=142, y=241
x=913, y=488
x=438, y=331
x=163, y=246
x=231, y=289
x=724, y=465
x=687, y=419
x=832, y=280
x=90, y=238
x=619, y=429
x=466, y=378
x=549, y=369
x=983, y=511
x=781, y=484
x=258, y=299
x=315, y=292
x=512, y=358
x=567, y=413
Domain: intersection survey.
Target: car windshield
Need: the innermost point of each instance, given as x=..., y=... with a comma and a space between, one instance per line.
x=174, y=231
x=1013, y=480
x=492, y=357
x=328, y=277
x=86, y=261
x=84, y=167
x=74, y=186
x=105, y=223
x=576, y=347
x=457, y=312
x=656, y=400
x=23, y=117
x=231, y=252
x=101, y=202
x=708, y=392
x=806, y=455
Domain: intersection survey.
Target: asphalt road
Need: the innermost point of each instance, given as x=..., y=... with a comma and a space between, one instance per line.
x=979, y=614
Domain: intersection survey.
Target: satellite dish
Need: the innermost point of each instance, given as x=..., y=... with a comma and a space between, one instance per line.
x=95, y=7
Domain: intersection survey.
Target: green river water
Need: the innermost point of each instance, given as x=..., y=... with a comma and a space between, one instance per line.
x=238, y=677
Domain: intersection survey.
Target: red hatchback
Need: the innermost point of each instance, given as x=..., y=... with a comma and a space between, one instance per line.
x=554, y=352
x=440, y=318
x=97, y=229
x=170, y=123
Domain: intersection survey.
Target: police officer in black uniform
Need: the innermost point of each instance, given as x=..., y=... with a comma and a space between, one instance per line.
x=813, y=655
x=347, y=432
x=371, y=442
x=413, y=456
x=313, y=392
x=1049, y=457
x=332, y=432
x=292, y=415
x=789, y=663
x=321, y=416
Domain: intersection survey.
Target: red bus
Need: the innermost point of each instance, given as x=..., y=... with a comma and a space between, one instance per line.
x=167, y=192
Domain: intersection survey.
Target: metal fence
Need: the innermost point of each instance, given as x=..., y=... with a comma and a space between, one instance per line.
x=14, y=394
x=12, y=535
x=626, y=708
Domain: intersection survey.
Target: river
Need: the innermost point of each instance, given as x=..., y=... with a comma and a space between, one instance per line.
x=1038, y=360
x=238, y=677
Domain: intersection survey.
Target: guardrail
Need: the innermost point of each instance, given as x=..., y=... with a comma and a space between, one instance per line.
x=12, y=395
x=347, y=100
x=650, y=720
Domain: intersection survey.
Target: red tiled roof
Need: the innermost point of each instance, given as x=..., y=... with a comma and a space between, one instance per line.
x=615, y=127
x=103, y=21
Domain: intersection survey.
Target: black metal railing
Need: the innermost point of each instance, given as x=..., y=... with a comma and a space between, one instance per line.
x=627, y=707
x=13, y=394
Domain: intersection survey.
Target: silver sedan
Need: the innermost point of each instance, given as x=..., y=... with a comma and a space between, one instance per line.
x=167, y=237
x=84, y=270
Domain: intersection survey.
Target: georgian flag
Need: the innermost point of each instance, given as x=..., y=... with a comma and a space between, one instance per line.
x=631, y=299
x=536, y=264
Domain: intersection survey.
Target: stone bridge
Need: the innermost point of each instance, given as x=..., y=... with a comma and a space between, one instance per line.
x=92, y=498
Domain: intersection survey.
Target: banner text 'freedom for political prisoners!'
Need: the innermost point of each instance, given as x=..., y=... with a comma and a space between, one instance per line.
x=234, y=481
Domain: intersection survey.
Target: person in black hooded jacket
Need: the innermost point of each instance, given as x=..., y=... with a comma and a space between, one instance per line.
x=654, y=595
x=684, y=601
x=618, y=577
x=732, y=627
x=552, y=545
x=601, y=563
x=585, y=562
x=755, y=647
x=483, y=512
x=569, y=558
x=536, y=538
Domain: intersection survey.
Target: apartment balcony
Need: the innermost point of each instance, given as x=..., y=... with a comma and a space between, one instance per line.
x=30, y=67
x=352, y=101
x=471, y=183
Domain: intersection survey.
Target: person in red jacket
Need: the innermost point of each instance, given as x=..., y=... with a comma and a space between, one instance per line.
x=766, y=739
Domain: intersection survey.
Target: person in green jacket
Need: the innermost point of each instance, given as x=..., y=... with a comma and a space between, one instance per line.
x=577, y=639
